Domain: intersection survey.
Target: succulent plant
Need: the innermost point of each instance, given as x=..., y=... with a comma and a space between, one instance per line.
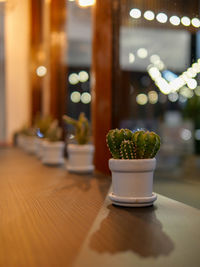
x=43, y=124
x=82, y=128
x=123, y=144
x=54, y=132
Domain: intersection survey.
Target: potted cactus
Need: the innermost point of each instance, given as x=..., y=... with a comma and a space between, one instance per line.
x=132, y=166
x=80, y=153
x=42, y=125
x=53, y=147
x=26, y=139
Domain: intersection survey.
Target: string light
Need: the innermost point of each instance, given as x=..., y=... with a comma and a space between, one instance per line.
x=135, y=13
x=162, y=17
x=175, y=20
x=149, y=15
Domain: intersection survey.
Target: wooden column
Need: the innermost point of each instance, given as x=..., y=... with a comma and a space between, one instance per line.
x=36, y=56
x=58, y=71
x=102, y=76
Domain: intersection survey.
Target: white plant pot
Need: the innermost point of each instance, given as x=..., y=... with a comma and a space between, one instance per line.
x=30, y=144
x=132, y=182
x=21, y=140
x=39, y=147
x=53, y=153
x=80, y=158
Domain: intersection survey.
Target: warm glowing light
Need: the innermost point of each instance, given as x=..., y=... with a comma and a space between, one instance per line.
x=131, y=57
x=196, y=67
x=41, y=71
x=197, y=91
x=163, y=85
x=75, y=97
x=185, y=134
x=186, y=92
x=177, y=83
x=153, y=97
x=73, y=78
x=142, y=53
x=83, y=76
x=191, y=73
x=173, y=97
x=175, y=20
x=161, y=17
x=154, y=58
x=192, y=83
x=185, y=21
x=86, y=3
x=86, y=98
x=154, y=73
x=149, y=15
x=142, y=99
x=135, y=13
x=196, y=22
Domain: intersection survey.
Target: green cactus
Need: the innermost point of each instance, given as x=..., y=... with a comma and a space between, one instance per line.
x=82, y=128
x=43, y=123
x=54, y=132
x=114, y=139
x=123, y=144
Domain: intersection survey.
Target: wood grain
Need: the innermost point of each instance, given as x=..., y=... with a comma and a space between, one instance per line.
x=45, y=212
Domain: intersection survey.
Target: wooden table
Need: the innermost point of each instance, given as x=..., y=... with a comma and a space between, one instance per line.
x=51, y=218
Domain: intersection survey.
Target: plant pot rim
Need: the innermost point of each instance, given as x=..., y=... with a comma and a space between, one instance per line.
x=132, y=165
x=53, y=144
x=80, y=148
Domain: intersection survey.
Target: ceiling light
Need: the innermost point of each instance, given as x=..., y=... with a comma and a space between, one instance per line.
x=196, y=22
x=86, y=98
x=73, y=78
x=86, y=3
x=75, y=97
x=135, y=13
x=142, y=99
x=149, y=15
x=142, y=53
x=185, y=21
x=175, y=20
x=197, y=91
x=41, y=71
x=161, y=17
x=192, y=83
x=83, y=76
x=131, y=57
x=185, y=134
x=153, y=97
x=173, y=97
x=154, y=58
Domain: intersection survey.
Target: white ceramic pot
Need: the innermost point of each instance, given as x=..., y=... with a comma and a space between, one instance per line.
x=53, y=152
x=29, y=144
x=39, y=147
x=80, y=158
x=132, y=181
x=21, y=140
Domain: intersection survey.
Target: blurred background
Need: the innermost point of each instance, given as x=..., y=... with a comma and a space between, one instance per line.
x=125, y=63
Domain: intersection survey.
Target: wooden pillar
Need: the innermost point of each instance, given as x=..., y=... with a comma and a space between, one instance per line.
x=36, y=56
x=102, y=77
x=58, y=55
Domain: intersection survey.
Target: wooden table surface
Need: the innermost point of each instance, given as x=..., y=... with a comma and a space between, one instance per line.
x=51, y=218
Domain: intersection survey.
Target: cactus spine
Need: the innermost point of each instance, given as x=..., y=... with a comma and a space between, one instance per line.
x=123, y=144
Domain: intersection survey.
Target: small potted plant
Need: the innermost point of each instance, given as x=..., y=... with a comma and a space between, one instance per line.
x=81, y=153
x=53, y=147
x=42, y=125
x=132, y=166
x=26, y=139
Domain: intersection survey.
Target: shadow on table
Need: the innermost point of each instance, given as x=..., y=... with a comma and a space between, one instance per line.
x=132, y=229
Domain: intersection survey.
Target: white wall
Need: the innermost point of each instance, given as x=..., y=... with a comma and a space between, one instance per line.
x=2, y=76
x=17, y=38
